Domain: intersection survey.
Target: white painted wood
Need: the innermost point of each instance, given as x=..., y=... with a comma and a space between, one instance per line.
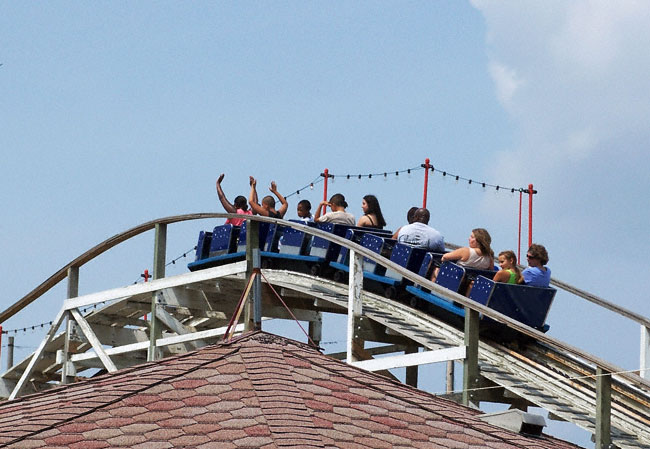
x=418, y=358
x=185, y=297
x=355, y=285
x=172, y=323
x=166, y=341
x=645, y=353
x=158, y=284
x=37, y=355
x=93, y=340
x=176, y=326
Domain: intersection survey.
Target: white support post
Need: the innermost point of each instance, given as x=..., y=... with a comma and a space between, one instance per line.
x=354, y=300
x=93, y=340
x=37, y=355
x=645, y=353
x=67, y=368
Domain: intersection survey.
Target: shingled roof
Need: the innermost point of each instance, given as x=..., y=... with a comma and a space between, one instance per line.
x=260, y=391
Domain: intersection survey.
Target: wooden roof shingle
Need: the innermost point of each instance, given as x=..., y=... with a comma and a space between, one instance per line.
x=260, y=391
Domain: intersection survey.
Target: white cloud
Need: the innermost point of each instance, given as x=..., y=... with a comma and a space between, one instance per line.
x=572, y=75
x=575, y=79
x=507, y=82
x=597, y=33
x=580, y=144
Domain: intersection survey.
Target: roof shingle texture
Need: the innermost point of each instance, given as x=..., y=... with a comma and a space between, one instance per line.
x=260, y=391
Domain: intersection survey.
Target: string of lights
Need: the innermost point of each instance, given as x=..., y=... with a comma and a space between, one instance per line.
x=94, y=306
x=317, y=179
x=432, y=169
x=385, y=174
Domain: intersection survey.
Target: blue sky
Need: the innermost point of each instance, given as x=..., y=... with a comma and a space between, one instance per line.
x=116, y=113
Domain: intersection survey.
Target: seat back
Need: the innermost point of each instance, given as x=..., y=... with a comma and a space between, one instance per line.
x=264, y=230
x=273, y=237
x=473, y=273
x=375, y=244
x=224, y=238
x=481, y=290
x=524, y=303
x=450, y=276
x=203, y=245
x=406, y=256
x=321, y=247
x=294, y=242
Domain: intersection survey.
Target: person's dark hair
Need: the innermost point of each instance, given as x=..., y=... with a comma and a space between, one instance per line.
x=241, y=202
x=421, y=215
x=373, y=208
x=410, y=215
x=339, y=200
x=269, y=201
x=305, y=203
x=539, y=253
x=483, y=240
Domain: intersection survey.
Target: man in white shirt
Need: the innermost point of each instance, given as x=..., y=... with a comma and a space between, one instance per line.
x=420, y=234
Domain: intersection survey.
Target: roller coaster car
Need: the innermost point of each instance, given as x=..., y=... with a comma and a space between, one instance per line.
x=280, y=247
x=297, y=250
x=526, y=304
x=376, y=277
x=294, y=249
x=225, y=244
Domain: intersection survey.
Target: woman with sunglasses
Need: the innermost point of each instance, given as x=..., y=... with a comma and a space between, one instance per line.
x=537, y=273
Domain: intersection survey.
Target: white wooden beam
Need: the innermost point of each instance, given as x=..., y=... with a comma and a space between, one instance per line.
x=158, y=284
x=187, y=298
x=165, y=341
x=37, y=355
x=645, y=353
x=355, y=285
x=93, y=340
x=417, y=358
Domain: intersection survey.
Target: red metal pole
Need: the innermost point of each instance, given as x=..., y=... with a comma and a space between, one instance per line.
x=519, y=241
x=146, y=278
x=530, y=215
x=326, y=175
x=426, y=182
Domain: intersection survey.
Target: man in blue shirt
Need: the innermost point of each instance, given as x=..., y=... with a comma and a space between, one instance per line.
x=537, y=274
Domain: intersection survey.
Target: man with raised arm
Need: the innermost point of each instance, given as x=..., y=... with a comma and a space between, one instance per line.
x=267, y=208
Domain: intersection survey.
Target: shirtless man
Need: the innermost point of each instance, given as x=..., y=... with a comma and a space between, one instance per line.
x=267, y=208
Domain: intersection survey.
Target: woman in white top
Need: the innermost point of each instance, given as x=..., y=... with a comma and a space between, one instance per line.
x=477, y=255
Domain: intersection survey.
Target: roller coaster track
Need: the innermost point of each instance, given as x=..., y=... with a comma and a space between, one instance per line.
x=546, y=372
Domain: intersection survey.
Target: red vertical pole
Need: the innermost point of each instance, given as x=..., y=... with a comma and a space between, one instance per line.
x=530, y=215
x=426, y=182
x=519, y=241
x=146, y=278
x=326, y=175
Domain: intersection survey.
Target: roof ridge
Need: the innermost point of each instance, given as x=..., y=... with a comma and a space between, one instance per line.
x=279, y=393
